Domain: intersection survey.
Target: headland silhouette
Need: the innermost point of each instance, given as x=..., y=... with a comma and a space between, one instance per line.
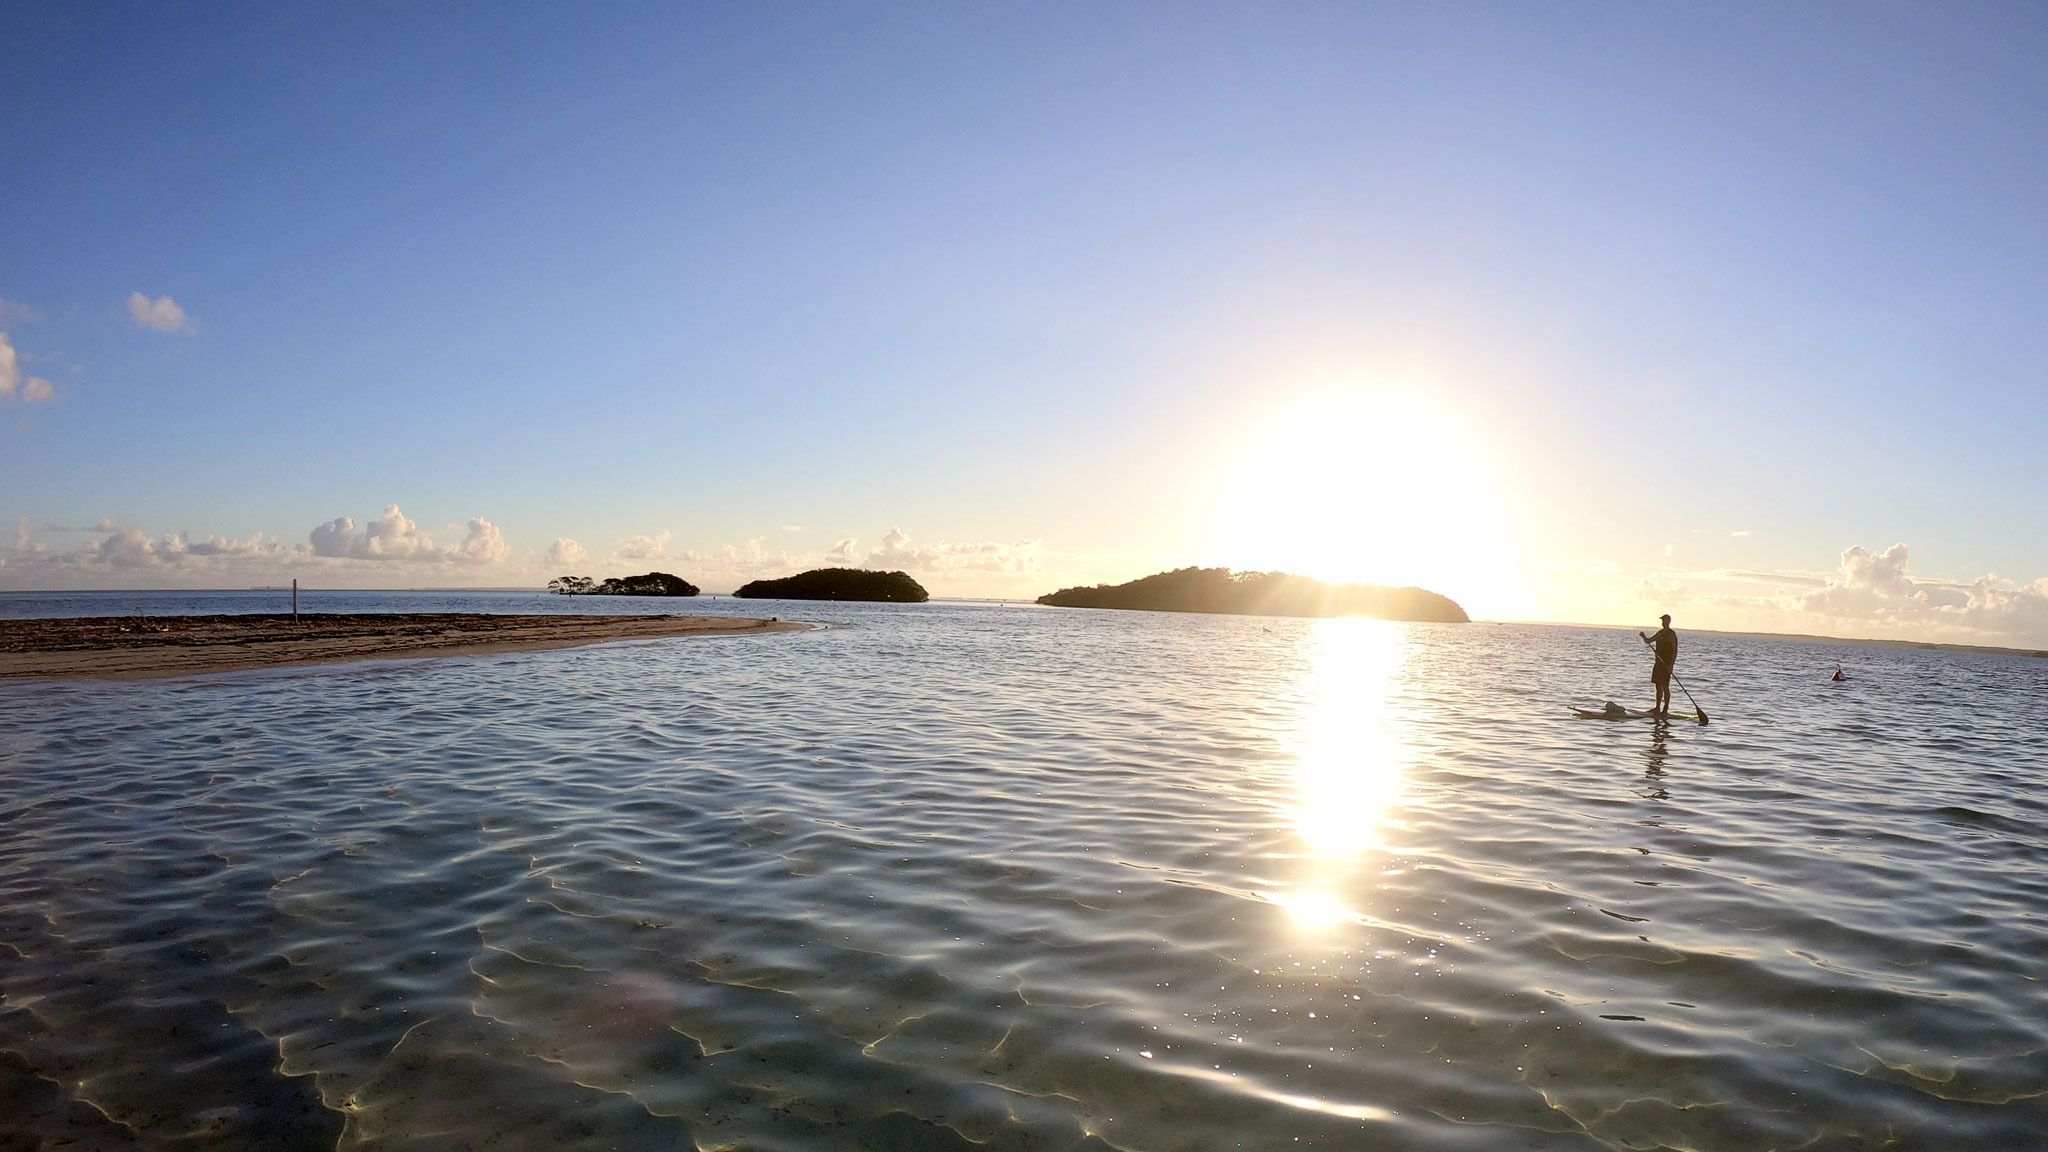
x=1220, y=590
x=838, y=584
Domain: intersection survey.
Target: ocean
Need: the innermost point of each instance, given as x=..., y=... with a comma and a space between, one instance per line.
x=1002, y=877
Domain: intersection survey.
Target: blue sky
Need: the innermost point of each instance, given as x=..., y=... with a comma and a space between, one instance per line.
x=1647, y=305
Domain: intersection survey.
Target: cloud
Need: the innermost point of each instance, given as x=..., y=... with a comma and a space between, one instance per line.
x=481, y=544
x=393, y=536
x=1740, y=532
x=731, y=565
x=642, y=547
x=1865, y=584
x=1869, y=594
x=34, y=390
x=897, y=552
x=1662, y=589
x=1777, y=579
x=388, y=537
x=162, y=313
x=336, y=554
x=130, y=548
x=1876, y=588
x=792, y=527
x=15, y=312
x=564, y=554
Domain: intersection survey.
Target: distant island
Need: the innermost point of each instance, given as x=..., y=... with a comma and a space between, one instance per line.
x=651, y=584
x=838, y=584
x=1260, y=594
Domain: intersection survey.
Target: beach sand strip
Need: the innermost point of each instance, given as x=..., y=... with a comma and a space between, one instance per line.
x=144, y=647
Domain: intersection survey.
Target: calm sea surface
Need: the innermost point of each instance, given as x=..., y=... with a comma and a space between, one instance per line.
x=962, y=876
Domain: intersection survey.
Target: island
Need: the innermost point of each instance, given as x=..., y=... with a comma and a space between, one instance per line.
x=838, y=584
x=143, y=647
x=1260, y=594
x=650, y=584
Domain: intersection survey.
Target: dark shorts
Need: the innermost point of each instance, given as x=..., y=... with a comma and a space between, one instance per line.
x=1660, y=675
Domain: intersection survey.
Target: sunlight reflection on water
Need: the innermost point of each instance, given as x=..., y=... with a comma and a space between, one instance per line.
x=1350, y=756
x=1350, y=759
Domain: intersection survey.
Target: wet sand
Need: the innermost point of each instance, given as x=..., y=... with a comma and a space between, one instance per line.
x=145, y=647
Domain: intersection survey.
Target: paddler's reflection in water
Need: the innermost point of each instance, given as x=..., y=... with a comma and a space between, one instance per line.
x=1653, y=763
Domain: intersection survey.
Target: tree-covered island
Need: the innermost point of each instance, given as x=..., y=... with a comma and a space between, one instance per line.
x=650, y=584
x=838, y=584
x=1260, y=594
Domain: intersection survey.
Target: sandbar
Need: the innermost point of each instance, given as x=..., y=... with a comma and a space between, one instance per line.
x=146, y=647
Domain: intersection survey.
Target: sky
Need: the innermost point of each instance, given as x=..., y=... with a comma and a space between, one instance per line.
x=1574, y=312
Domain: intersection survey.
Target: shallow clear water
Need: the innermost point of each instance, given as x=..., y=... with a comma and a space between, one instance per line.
x=977, y=876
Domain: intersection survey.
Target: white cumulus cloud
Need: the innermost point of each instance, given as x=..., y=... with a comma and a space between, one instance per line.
x=1868, y=594
x=565, y=553
x=161, y=314
x=34, y=389
x=1875, y=587
x=482, y=543
x=642, y=547
x=389, y=537
x=394, y=536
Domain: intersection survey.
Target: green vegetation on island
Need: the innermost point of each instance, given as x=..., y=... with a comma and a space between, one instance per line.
x=1260, y=594
x=839, y=584
x=650, y=584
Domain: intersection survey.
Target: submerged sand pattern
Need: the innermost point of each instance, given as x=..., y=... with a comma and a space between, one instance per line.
x=960, y=877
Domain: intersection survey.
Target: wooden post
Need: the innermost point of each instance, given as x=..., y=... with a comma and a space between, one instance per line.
x=295, y=599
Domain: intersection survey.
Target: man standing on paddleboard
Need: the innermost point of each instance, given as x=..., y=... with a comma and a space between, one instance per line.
x=1665, y=642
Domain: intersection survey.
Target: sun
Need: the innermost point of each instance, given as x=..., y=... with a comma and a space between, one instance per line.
x=1381, y=487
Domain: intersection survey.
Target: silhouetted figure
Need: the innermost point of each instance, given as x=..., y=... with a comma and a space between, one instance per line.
x=1665, y=643
x=1838, y=674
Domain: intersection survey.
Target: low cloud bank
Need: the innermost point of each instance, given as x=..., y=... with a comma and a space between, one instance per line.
x=897, y=553
x=336, y=551
x=393, y=550
x=1868, y=595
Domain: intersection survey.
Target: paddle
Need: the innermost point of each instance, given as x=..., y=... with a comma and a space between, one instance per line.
x=1682, y=688
x=1688, y=698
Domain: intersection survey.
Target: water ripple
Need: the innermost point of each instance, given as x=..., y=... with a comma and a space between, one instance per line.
x=1002, y=878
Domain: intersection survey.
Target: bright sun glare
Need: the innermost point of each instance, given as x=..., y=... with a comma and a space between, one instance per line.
x=1382, y=488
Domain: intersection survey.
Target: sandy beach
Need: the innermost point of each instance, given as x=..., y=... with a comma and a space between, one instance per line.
x=136, y=648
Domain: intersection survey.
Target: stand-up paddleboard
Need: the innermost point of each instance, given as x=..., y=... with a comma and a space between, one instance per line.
x=1614, y=713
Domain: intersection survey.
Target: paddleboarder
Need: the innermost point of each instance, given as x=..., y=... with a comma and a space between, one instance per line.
x=1665, y=643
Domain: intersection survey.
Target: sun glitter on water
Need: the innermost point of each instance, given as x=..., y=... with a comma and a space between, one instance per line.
x=1350, y=761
